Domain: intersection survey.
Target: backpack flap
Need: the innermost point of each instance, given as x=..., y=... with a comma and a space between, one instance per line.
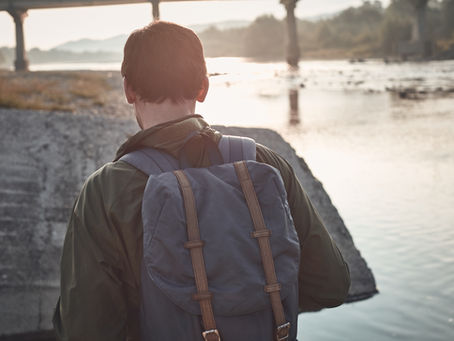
x=232, y=256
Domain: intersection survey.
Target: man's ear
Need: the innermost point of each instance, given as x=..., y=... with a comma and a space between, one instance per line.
x=129, y=93
x=203, y=90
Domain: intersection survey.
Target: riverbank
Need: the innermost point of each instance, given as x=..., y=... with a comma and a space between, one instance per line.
x=101, y=92
x=71, y=91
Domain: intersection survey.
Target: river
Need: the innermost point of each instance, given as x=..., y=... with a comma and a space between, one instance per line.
x=388, y=164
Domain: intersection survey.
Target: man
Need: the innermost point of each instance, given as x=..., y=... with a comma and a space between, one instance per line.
x=164, y=76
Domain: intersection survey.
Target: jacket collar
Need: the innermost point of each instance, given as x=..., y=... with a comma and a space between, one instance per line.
x=169, y=136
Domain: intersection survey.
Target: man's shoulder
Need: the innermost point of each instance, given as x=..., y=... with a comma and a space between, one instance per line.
x=269, y=156
x=272, y=158
x=113, y=173
x=108, y=183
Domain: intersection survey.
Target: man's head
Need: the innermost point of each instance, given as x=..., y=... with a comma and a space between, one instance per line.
x=164, y=61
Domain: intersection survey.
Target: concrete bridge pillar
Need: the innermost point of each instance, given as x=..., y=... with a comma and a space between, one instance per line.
x=21, y=62
x=419, y=28
x=419, y=34
x=293, y=53
x=155, y=9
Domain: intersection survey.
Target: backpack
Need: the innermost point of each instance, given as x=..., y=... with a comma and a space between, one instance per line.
x=220, y=251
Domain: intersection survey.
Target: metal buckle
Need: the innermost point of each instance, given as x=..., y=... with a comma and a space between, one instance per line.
x=280, y=328
x=211, y=331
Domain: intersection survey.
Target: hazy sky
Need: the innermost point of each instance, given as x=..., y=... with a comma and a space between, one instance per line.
x=50, y=27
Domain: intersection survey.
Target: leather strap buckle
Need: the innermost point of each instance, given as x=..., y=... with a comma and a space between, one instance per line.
x=203, y=295
x=269, y=288
x=191, y=244
x=282, y=331
x=211, y=335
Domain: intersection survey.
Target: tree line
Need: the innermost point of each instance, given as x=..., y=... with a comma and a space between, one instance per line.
x=369, y=30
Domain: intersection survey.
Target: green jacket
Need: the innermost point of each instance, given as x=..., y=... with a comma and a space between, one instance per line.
x=102, y=252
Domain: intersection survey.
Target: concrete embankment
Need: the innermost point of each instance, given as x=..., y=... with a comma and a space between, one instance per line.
x=45, y=159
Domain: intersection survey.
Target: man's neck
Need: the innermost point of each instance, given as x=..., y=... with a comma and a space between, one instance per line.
x=152, y=114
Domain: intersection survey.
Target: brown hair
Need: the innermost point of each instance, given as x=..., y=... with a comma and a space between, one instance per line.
x=162, y=61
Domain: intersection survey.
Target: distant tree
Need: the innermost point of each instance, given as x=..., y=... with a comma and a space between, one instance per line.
x=448, y=17
x=2, y=59
x=325, y=35
x=397, y=25
x=264, y=38
x=400, y=7
x=222, y=43
x=394, y=31
x=369, y=30
x=288, y=2
x=353, y=28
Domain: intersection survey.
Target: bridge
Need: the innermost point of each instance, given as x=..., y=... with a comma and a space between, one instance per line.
x=419, y=45
x=18, y=10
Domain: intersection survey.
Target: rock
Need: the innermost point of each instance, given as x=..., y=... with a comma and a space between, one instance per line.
x=363, y=282
x=356, y=60
x=46, y=157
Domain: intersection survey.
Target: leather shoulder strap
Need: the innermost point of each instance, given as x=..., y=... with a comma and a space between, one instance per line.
x=262, y=234
x=195, y=246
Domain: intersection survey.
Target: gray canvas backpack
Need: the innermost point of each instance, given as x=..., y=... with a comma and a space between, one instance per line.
x=220, y=251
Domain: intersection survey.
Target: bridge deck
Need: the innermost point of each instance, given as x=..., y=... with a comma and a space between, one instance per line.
x=36, y=4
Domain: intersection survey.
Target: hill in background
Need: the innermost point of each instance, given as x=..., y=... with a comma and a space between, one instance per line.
x=115, y=44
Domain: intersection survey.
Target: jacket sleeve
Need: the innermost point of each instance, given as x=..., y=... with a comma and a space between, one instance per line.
x=92, y=305
x=324, y=278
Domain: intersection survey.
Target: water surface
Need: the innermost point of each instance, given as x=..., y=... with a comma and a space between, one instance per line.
x=386, y=162
x=388, y=165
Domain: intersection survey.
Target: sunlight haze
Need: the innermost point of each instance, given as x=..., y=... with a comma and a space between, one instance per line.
x=50, y=27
